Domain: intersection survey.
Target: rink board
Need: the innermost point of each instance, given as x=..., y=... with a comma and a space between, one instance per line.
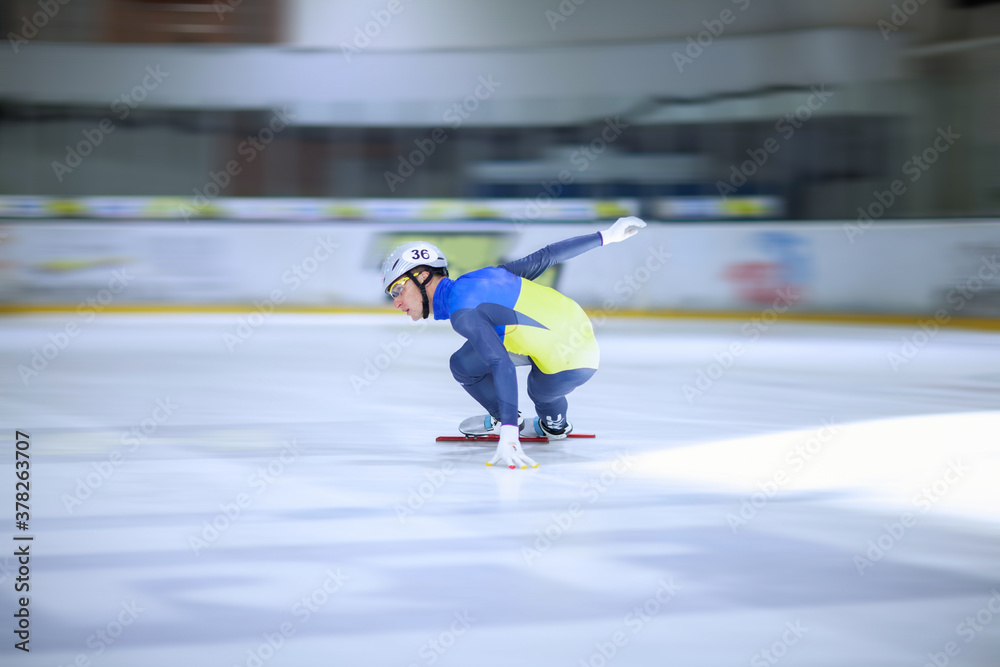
x=941, y=269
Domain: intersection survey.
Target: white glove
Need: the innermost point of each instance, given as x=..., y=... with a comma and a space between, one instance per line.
x=509, y=450
x=621, y=230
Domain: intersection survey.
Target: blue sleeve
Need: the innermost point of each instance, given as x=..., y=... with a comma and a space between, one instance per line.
x=476, y=326
x=534, y=265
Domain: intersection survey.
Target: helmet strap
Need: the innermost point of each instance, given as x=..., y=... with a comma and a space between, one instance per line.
x=431, y=272
x=423, y=290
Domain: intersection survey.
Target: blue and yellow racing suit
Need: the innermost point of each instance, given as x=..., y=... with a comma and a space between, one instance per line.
x=500, y=311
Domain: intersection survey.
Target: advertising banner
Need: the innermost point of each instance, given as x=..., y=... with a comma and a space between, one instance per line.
x=907, y=268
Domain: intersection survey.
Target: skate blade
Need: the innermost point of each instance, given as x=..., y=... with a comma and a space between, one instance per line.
x=494, y=438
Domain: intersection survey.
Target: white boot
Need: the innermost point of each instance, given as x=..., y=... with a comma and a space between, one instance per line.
x=486, y=425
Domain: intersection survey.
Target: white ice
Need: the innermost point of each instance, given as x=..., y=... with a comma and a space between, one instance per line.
x=206, y=493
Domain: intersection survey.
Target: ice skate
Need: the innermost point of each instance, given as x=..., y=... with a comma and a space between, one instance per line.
x=484, y=428
x=487, y=425
x=539, y=429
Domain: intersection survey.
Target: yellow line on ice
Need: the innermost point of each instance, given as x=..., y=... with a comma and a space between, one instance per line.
x=985, y=324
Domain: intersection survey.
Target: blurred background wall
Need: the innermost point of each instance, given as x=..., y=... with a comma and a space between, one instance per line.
x=802, y=110
x=362, y=81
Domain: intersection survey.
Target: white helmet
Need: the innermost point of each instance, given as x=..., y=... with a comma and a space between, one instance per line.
x=409, y=256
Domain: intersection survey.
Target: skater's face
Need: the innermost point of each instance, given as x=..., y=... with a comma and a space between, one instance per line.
x=409, y=299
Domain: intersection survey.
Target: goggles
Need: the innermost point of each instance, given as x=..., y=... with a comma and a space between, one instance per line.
x=396, y=288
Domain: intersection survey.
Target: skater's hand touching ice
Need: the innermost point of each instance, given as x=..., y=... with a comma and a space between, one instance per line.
x=621, y=230
x=509, y=450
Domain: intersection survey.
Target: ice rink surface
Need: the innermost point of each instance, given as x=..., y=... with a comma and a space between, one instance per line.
x=221, y=490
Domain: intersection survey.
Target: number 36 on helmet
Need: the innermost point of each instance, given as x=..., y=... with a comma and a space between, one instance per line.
x=409, y=256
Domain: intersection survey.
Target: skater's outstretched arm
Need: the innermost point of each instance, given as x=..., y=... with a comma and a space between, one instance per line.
x=533, y=265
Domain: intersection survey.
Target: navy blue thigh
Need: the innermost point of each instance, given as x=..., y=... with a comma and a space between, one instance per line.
x=474, y=375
